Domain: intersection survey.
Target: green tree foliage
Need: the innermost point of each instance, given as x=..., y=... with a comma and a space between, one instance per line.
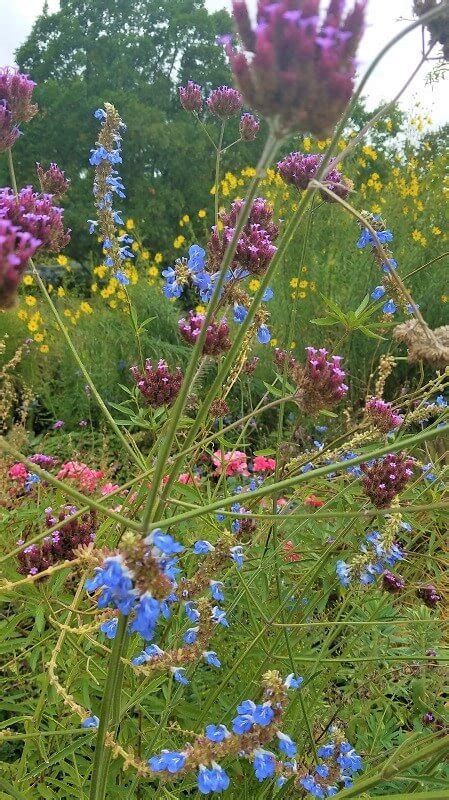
x=133, y=53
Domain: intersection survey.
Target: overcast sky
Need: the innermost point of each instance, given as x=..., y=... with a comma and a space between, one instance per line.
x=385, y=18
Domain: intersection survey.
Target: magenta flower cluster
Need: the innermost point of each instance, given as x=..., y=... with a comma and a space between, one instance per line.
x=249, y=127
x=53, y=180
x=17, y=90
x=36, y=214
x=61, y=543
x=9, y=133
x=382, y=415
x=190, y=97
x=325, y=376
x=299, y=169
x=217, y=339
x=16, y=247
x=298, y=67
x=386, y=477
x=159, y=385
x=255, y=247
x=224, y=102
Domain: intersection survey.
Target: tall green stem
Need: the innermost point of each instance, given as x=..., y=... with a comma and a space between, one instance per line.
x=112, y=690
x=217, y=172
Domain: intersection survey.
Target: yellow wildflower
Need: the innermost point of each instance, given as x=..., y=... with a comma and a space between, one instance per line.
x=200, y=309
x=30, y=300
x=202, y=213
x=28, y=280
x=254, y=285
x=153, y=272
x=32, y=326
x=39, y=337
x=303, y=284
x=22, y=315
x=294, y=282
x=43, y=348
x=60, y=292
x=62, y=261
x=273, y=342
x=158, y=258
x=135, y=247
x=436, y=230
x=145, y=255
x=130, y=225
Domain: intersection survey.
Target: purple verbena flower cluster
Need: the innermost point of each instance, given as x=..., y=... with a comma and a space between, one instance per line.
x=16, y=248
x=217, y=339
x=36, y=214
x=190, y=97
x=249, y=127
x=53, y=180
x=382, y=416
x=299, y=169
x=386, y=478
x=298, y=68
x=61, y=543
x=255, y=246
x=16, y=90
x=320, y=381
x=9, y=133
x=224, y=102
x=159, y=385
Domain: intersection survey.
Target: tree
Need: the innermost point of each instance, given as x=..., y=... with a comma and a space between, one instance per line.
x=133, y=53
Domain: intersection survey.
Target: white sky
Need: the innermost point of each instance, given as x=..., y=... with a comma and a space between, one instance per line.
x=385, y=18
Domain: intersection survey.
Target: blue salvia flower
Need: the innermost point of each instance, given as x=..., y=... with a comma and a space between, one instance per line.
x=216, y=588
x=90, y=722
x=202, y=547
x=214, y=779
x=293, y=682
x=152, y=651
x=170, y=760
x=191, y=635
x=286, y=744
x=179, y=675
x=211, y=658
x=219, y=617
x=148, y=611
x=110, y=627
x=264, y=764
x=216, y=733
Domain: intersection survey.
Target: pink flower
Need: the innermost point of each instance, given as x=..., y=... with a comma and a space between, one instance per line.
x=233, y=461
x=108, y=488
x=186, y=477
x=263, y=464
x=18, y=472
x=80, y=473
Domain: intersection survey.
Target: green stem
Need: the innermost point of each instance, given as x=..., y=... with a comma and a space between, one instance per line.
x=438, y=794
x=111, y=691
x=268, y=489
x=395, y=768
x=217, y=172
x=11, y=791
x=12, y=173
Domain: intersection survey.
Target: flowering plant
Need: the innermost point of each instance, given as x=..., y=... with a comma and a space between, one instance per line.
x=181, y=582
